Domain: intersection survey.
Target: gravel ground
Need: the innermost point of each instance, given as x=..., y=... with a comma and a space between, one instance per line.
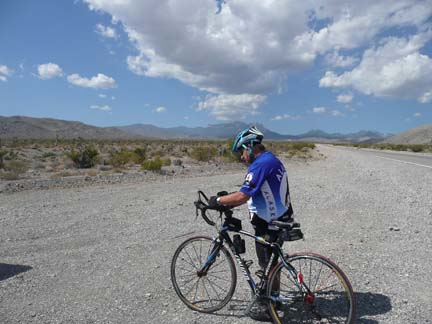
x=102, y=253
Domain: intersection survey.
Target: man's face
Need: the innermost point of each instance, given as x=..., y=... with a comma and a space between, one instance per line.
x=245, y=156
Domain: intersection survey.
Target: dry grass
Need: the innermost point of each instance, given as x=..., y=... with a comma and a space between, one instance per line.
x=64, y=158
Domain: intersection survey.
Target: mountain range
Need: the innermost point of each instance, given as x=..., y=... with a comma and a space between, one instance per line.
x=47, y=128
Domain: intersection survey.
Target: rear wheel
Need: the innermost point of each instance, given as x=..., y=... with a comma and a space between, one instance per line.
x=330, y=298
x=203, y=291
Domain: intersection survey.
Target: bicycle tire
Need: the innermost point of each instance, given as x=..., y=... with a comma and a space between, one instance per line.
x=221, y=278
x=332, y=299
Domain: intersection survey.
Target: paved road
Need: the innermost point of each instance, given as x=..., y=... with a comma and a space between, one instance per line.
x=419, y=159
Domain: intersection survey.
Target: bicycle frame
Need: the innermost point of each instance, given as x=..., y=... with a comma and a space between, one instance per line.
x=257, y=289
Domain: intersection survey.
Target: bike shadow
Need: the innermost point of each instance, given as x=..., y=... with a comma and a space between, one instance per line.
x=10, y=270
x=371, y=304
x=368, y=305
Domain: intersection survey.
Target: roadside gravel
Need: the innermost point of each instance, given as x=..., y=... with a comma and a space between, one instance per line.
x=101, y=253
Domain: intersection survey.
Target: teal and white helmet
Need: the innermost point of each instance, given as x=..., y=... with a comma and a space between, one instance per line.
x=250, y=136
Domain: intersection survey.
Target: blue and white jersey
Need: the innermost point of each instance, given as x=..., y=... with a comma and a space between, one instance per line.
x=267, y=185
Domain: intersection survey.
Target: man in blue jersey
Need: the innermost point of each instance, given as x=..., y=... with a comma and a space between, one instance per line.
x=265, y=189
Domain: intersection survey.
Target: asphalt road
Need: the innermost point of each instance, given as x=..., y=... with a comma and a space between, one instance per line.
x=419, y=159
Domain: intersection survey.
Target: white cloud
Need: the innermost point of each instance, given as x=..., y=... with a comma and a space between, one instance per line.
x=49, y=71
x=251, y=46
x=100, y=81
x=103, y=108
x=395, y=69
x=4, y=73
x=101, y=95
x=319, y=110
x=417, y=114
x=106, y=31
x=286, y=117
x=160, y=109
x=336, y=113
x=5, y=70
x=231, y=107
x=345, y=98
x=426, y=97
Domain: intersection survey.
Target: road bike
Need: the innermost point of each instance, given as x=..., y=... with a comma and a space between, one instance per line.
x=299, y=288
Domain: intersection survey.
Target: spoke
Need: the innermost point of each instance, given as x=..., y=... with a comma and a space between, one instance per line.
x=288, y=276
x=212, y=275
x=196, y=254
x=212, y=284
x=191, y=260
x=319, y=274
x=186, y=270
x=196, y=290
x=310, y=272
x=208, y=295
x=215, y=265
x=188, y=281
x=191, y=288
x=321, y=289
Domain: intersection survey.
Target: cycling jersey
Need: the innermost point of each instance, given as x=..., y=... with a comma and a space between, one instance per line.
x=267, y=185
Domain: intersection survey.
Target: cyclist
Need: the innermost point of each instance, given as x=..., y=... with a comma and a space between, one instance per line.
x=266, y=190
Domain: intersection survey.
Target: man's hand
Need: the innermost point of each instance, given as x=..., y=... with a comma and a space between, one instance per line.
x=213, y=203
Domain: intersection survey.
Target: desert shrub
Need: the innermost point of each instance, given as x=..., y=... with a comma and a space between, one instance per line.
x=84, y=158
x=48, y=155
x=14, y=169
x=139, y=155
x=166, y=162
x=417, y=148
x=204, y=153
x=121, y=158
x=152, y=165
x=177, y=162
x=2, y=155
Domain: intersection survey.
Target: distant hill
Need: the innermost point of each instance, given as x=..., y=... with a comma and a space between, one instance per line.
x=227, y=130
x=47, y=128
x=418, y=135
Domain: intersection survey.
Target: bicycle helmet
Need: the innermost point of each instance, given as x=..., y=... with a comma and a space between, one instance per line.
x=250, y=136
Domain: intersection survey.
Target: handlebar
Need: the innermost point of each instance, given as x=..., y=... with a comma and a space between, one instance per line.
x=202, y=206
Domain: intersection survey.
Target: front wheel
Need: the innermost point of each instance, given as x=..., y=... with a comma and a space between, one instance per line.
x=313, y=290
x=205, y=290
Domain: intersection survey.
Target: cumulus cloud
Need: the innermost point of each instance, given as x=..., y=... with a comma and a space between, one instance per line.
x=106, y=31
x=49, y=71
x=319, y=110
x=417, y=114
x=101, y=95
x=100, y=81
x=4, y=73
x=286, y=117
x=426, y=97
x=160, y=109
x=231, y=107
x=345, y=98
x=103, y=108
x=252, y=46
x=394, y=69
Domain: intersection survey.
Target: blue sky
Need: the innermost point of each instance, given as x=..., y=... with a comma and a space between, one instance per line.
x=290, y=65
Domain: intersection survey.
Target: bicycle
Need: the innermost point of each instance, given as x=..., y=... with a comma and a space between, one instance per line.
x=311, y=287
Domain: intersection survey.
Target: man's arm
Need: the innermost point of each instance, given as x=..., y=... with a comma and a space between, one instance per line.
x=234, y=199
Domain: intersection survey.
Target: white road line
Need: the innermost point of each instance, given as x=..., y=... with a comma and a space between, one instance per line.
x=422, y=165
